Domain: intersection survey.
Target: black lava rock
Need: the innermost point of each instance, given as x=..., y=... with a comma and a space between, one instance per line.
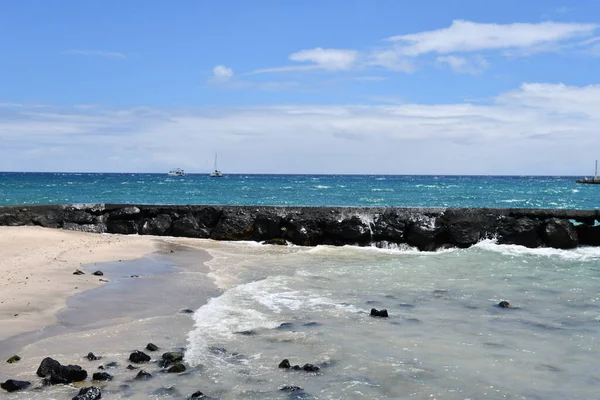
x=102, y=376
x=310, y=368
x=187, y=311
x=13, y=385
x=78, y=272
x=89, y=393
x=197, y=395
x=171, y=358
x=92, y=357
x=131, y=367
x=285, y=364
x=504, y=304
x=151, y=347
x=143, y=375
x=379, y=313
x=291, y=389
x=177, y=368
x=98, y=273
x=60, y=373
x=13, y=359
x=139, y=357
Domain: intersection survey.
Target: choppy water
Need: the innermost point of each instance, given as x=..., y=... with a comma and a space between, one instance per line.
x=444, y=338
x=299, y=190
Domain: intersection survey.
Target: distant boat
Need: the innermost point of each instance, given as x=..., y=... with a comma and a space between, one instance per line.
x=594, y=180
x=176, y=172
x=216, y=173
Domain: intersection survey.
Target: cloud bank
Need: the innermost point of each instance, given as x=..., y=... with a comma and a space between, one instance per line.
x=538, y=128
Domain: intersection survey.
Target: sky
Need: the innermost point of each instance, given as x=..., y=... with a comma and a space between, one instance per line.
x=332, y=87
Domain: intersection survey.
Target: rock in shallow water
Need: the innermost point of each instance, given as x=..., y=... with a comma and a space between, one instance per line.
x=89, y=393
x=98, y=273
x=291, y=389
x=60, y=374
x=504, y=304
x=13, y=359
x=143, y=375
x=92, y=357
x=151, y=347
x=102, y=376
x=177, y=368
x=13, y=385
x=379, y=313
x=139, y=357
x=170, y=358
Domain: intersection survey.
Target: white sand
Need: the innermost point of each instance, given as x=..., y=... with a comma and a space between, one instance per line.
x=37, y=265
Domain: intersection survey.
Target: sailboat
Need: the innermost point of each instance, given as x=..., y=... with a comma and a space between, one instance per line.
x=594, y=180
x=216, y=173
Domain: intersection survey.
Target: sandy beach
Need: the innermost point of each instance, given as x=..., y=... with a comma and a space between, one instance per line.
x=37, y=265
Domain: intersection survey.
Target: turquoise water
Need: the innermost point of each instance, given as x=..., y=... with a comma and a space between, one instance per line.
x=300, y=190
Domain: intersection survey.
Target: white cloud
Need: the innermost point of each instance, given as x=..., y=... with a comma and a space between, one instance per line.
x=463, y=65
x=391, y=60
x=328, y=59
x=539, y=128
x=221, y=73
x=97, y=53
x=467, y=36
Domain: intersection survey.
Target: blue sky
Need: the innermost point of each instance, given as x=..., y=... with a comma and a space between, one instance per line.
x=466, y=87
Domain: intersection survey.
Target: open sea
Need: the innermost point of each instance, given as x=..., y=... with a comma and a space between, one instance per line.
x=445, y=338
x=300, y=190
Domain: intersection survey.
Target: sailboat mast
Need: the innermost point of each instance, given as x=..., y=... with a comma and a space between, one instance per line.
x=596, y=173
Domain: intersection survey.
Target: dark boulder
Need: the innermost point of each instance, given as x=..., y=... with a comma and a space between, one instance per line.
x=13, y=359
x=350, y=230
x=78, y=272
x=389, y=227
x=151, y=347
x=92, y=357
x=423, y=234
x=197, y=395
x=290, y=389
x=139, y=357
x=98, y=273
x=560, y=234
x=521, y=231
x=65, y=374
x=177, y=368
x=234, y=224
x=78, y=217
x=13, y=385
x=310, y=368
x=143, y=375
x=131, y=367
x=89, y=393
x=188, y=226
x=122, y=227
x=47, y=367
x=158, y=225
x=302, y=229
x=102, y=376
x=504, y=304
x=266, y=227
x=588, y=235
x=187, y=311
x=379, y=313
x=285, y=364
x=170, y=358
x=124, y=213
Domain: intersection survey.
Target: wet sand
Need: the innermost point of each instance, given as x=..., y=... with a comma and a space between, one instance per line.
x=65, y=316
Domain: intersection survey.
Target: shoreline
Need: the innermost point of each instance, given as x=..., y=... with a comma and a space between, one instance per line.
x=37, y=266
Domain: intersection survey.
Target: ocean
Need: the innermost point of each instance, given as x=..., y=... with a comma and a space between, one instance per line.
x=445, y=338
x=300, y=190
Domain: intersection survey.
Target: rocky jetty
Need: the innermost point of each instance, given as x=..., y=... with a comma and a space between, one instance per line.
x=425, y=228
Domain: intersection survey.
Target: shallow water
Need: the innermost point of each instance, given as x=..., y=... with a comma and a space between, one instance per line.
x=444, y=339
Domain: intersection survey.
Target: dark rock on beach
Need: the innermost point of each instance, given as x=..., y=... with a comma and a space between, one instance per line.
x=151, y=347
x=13, y=359
x=60, y=374
x=143, y=375
x=102, y=376
x=379, y=313
x=310, y=368
x=171, y=358
x=92, y=357
x=131, y=367
x=13, y=385
x=560, y=234
x=504, y=304
x=290, y=389
x=177, y=368
x=98, y=273
x=285, y=364
x=139, y=357
x=89, y=393
x=78, y=272
x=197, y=395
x=187, y=311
